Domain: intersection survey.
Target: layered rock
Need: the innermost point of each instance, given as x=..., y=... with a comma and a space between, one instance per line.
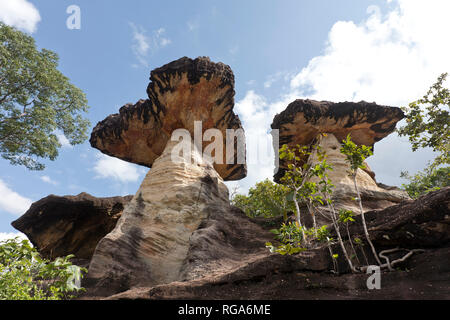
x=368, y=123
x=184, y=187
x=373, y=195
x=172, y=229
x=305, y=121
x=180, y=93
x=412, y=224
x=423, y=223
x=59, y=226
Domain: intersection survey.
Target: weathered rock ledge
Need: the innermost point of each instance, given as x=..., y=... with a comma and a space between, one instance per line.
x=58, y=226
x=423, y=223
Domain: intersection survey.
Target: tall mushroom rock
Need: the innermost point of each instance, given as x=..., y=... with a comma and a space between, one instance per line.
x=151, y=240
x=304, y=121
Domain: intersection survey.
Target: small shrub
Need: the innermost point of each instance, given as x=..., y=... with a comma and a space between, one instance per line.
x=25, y=275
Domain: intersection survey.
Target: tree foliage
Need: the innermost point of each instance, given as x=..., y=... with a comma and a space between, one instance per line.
x=427, y=125
x=25, y=275
x=431, y=179
x=36, y=101
x=266, y=199
x=356, y=156
x=427, y=121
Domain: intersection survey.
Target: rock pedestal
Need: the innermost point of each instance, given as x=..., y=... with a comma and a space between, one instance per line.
x=303, y=122
x=373, y=195
x=151, y=240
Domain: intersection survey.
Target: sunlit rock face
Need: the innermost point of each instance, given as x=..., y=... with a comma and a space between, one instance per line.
x=182, y=201
x=373, y=195
x=303, y=123
x=180, y=93
x=150, y=242
x=366, y=122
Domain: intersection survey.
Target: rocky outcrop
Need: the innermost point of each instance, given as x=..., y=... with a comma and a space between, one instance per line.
x=425, y=276
x=174, y=229
x=305, y=121
x=180, y=93
x=151, y=244
x=374, y=196
x=59, y=226
x=423, y=223
x=263, y=275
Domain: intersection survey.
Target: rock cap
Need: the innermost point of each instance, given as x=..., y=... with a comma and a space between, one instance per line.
x=180, y=93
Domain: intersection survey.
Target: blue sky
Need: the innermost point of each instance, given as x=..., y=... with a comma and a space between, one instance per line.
x=383, y=51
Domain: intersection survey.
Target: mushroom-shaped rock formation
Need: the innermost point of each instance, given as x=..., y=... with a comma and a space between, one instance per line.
x=180, y=93
x=153, y=240
x=304, y=121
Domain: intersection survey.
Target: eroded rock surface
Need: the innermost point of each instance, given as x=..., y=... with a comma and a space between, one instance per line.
x=422, y=223
x=305, y=121
x=373, y=195
x=305, y=276
x=178, y=226
x=368, y=123
x=59, y=226
x=180, y=93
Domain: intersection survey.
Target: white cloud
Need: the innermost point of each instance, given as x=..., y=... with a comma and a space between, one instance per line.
x=109, y=167
x=65, y=143
x=159, y=39
x=49, y=180
x=256, y=114
x=193, y=25
x=12, y=202
x=234, y=50
x=270, y=80
x=391, y=59
x=11, y=235
x=20, y=14
x=141, y=44
x=144, y=45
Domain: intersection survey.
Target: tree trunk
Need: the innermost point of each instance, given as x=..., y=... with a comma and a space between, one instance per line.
x=351, y=243
x=364, y=221
x=297, y=208
x=341, y=242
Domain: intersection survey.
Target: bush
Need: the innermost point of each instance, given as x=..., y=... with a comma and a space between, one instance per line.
x=429, y=180
x=25, y=275
x=266, y=199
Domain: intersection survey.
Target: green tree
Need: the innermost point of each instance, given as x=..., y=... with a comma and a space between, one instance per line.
x=25, y=275
x=427, y=122
x=266, y=199
x=430, y=179
x=36, y=101
x=355, y=156
x=297, y=177
x=427, y=125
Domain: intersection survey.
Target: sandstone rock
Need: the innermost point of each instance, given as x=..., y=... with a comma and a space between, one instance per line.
x=180, y=93
x=422, y=223
x=425, y=277
x=304, y=121
x=373, y=195
x=58, y=226
x=173, y=229
x=184, y=190
x=368, y=123
x=270, y=276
